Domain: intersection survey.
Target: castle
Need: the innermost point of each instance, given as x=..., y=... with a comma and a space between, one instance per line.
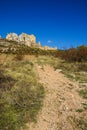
x=29, y=40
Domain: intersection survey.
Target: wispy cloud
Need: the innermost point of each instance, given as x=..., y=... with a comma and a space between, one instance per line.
x=49, y=41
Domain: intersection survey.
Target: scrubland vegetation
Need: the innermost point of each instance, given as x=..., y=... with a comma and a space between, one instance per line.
x=21, y=94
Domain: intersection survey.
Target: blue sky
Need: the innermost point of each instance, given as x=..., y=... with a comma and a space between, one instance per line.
x=61, y=23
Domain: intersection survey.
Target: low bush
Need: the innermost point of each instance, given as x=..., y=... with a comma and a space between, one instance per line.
x=83, y=93
x=78, y=54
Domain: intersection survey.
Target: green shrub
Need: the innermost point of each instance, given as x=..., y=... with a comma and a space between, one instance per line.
x=79, y=110
x=83, y=93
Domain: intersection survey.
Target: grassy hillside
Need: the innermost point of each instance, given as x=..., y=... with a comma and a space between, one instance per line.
x=21, y=94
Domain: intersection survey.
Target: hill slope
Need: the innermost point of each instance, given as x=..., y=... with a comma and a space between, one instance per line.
x=62, y=109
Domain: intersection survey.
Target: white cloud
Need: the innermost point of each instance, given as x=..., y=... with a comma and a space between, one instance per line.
x=49, y=41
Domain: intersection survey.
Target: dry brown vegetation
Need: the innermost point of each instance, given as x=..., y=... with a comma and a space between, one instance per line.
x=20, y=93
x=63, y=78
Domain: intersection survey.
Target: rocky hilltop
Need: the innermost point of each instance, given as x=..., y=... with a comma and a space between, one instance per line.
x=29, y=40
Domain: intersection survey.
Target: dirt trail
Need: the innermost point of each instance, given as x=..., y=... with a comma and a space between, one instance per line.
x=60, y=103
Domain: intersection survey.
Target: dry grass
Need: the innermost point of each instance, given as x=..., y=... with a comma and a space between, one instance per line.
x=21, y=94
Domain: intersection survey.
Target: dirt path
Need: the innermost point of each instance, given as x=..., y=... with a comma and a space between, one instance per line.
x=60, y=103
